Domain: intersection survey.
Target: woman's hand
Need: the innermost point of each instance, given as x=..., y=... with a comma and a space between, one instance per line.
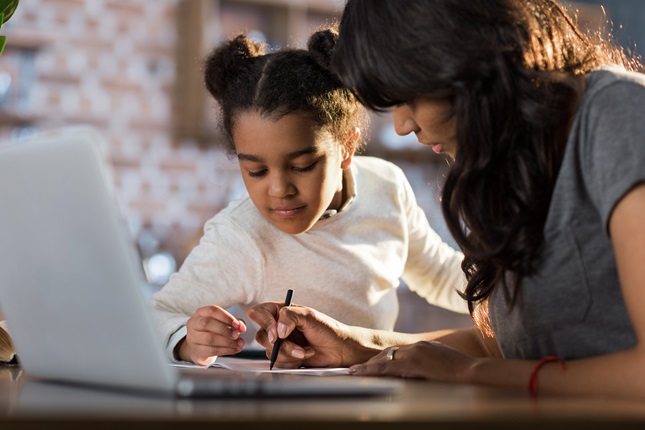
x=421, y=360
x=211, y=331
x=311, y=338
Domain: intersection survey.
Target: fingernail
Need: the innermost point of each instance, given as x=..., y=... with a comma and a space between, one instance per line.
x=235, y=334
x=282, y=330
x=352, y=370
x=298, y=353
x=271, y=336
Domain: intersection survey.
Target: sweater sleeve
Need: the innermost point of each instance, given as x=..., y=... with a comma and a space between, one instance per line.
x=433, y=268
x=224, y=269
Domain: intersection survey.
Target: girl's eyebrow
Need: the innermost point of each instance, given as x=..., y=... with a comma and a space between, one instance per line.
x=249, y=157
x=295, y=154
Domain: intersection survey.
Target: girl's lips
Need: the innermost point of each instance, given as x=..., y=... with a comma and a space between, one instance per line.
x=287, y=212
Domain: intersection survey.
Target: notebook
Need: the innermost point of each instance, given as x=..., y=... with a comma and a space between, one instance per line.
x=71, y=284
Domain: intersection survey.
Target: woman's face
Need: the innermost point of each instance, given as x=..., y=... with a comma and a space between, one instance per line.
x=430, y=120
x=291, y=169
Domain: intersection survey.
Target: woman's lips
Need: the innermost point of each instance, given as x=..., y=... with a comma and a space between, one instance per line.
x=436, y=146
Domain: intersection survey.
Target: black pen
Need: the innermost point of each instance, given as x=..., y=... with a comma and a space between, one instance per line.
x=278, y=342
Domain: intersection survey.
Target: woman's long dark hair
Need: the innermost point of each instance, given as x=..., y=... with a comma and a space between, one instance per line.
x=509, y=67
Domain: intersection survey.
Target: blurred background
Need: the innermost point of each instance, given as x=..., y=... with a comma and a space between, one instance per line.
x=132, y=70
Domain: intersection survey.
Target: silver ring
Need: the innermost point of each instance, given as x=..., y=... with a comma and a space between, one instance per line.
x=390, y=353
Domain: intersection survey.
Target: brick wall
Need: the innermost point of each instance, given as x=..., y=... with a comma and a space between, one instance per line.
x=111, y=64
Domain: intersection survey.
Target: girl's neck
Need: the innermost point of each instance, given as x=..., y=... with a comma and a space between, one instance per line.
x=341, y=195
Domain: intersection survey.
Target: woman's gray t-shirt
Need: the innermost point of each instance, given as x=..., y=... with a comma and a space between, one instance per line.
x=573, y=306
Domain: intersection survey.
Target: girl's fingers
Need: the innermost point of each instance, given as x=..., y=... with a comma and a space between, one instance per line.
x=222, y=315
x=203, y=321
x=207, y=339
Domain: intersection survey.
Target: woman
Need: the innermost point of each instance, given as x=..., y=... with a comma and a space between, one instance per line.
x=545, y=197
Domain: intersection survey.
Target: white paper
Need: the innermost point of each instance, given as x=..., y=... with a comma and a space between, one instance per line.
x=262, y=366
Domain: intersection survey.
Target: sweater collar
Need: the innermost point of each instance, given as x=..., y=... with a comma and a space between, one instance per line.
x=350, y=185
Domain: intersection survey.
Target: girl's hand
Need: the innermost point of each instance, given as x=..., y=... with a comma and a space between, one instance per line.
x=211, y=331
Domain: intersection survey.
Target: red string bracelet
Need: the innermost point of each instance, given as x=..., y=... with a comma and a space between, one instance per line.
x=533, y=380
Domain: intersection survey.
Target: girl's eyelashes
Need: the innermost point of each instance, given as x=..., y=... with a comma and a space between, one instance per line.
x=306, y=169
x=262, y=172
x=257, y=174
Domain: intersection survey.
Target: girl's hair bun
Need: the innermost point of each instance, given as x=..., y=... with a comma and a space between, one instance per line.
x=321, y=45
x=225, y=62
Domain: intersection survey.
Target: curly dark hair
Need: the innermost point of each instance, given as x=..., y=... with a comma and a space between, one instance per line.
x=509, y=68
x=242, y=77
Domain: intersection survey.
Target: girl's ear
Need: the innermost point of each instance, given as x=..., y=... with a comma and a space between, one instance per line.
x=349, y=147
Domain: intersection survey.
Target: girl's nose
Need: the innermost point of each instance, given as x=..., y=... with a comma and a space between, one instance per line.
x=281, y=186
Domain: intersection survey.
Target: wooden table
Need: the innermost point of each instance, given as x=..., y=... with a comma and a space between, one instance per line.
x=27, y=404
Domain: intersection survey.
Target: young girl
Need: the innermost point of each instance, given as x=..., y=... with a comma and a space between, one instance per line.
x=546, y=194
x=338, y=229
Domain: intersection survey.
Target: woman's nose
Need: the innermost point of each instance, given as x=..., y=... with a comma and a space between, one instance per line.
x=403, y=121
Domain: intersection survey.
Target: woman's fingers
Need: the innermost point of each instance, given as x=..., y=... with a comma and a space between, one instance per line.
x=427, y=360
x=265, y=316
x=292, y=355
x=311, y=338
x=382, y=364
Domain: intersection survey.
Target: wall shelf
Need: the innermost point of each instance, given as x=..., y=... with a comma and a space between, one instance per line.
x=12, y=119
x=25, y=40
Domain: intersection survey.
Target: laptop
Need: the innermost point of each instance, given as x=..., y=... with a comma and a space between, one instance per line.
x=72, y=284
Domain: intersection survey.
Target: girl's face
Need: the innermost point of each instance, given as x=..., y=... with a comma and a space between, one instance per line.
x=430, y=120
x=291, y=169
